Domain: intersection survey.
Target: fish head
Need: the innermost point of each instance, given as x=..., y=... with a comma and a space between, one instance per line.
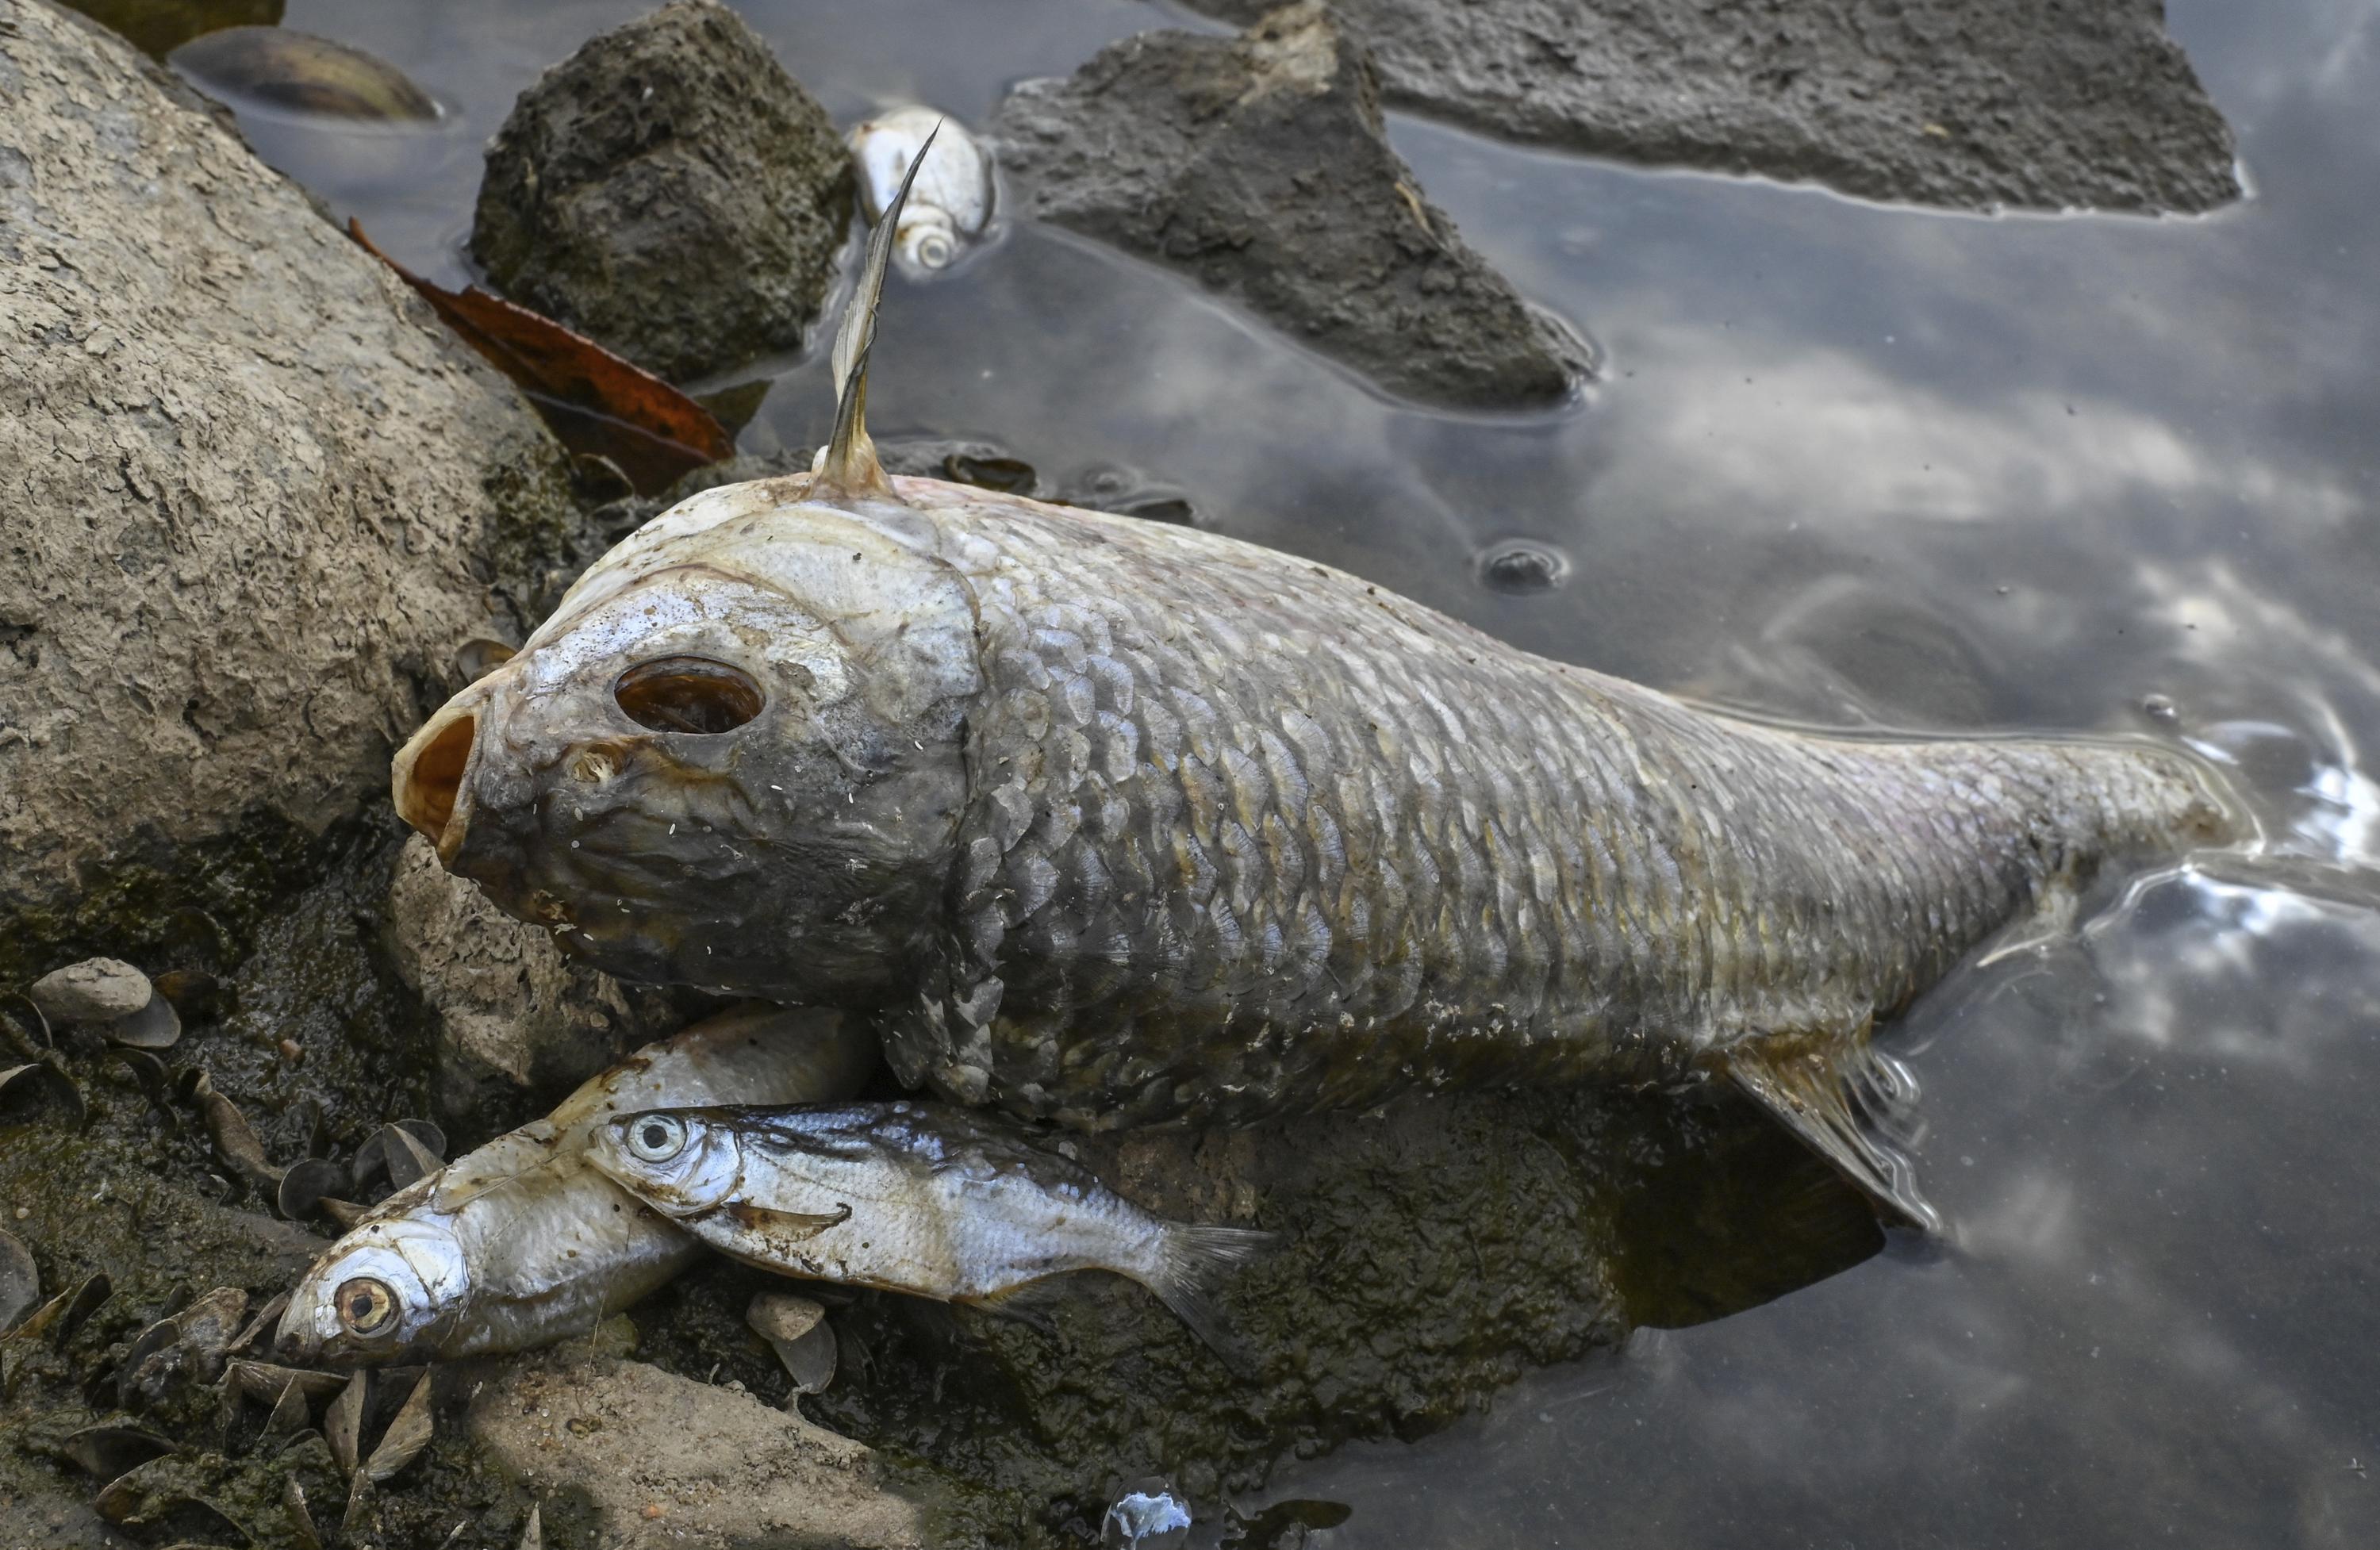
x=731, y=758
x=676, y=1160
x=388, y=1290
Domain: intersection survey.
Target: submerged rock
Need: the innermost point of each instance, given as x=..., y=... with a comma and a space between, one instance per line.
x=670, y=192
x=300, y=73
x=1259, y=165
x=254, y=495
x=657, y=1460
x=2028, y=102
x=512, y=1014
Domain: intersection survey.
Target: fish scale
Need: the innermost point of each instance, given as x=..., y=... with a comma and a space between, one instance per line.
x=1337, y=889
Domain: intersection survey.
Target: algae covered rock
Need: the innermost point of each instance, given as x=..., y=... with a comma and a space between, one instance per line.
x=669, y=191
x=1259, y=165
x=2040, y=103
x=253, y=491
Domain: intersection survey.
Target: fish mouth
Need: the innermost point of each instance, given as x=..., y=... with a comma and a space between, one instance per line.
x=430, y=779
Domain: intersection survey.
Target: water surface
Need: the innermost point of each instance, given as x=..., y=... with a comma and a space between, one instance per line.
x=1857, y=466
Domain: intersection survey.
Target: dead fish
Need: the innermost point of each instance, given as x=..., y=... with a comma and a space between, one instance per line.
x=949, y=203
x=920, y=1198
x=518, y=1244
x=1112, y=824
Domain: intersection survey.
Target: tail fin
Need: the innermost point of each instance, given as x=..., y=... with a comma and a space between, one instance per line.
x=850, y=468
x=1191, y=1261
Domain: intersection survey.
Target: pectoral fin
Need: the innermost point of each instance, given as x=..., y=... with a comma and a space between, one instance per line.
x=1847, y=1102
x=785, y=1227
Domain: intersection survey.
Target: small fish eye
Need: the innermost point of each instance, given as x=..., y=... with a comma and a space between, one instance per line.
x=688, y=694
x=366, y=1305
x=656, y=1138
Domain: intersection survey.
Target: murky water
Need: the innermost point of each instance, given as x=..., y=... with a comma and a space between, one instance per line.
x=1858, y=466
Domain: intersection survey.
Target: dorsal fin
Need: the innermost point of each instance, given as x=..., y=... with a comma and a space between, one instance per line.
x=850, y=468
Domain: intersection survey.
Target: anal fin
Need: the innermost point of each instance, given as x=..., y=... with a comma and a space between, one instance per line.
x=1849, y=1103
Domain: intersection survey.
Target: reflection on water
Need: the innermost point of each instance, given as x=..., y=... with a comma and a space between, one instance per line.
x=1867, y=466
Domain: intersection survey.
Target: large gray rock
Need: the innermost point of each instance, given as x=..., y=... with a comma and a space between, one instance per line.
x=670, y=191
x=2043, y=104
x=516, y=1018
x=250, y=491
x=666, y=1460
x=1259, y=165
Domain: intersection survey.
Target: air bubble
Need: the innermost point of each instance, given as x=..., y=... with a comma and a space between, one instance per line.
x=1520, y=566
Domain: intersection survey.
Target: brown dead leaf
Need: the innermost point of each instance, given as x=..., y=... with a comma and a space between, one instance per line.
x=594, y=401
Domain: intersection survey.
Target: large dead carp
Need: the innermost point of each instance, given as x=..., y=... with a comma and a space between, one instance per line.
x=1113, y=823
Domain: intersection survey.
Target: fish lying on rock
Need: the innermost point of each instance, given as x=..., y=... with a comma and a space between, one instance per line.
x=909, y=1197
x=1112, y=823
x=519, y=1245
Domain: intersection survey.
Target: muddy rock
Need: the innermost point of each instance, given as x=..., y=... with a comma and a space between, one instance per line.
x=1259, y=165
x=517, y=1020
x=670, y=191
x=255, y=494
x=2037, y=104
x=626, y=1455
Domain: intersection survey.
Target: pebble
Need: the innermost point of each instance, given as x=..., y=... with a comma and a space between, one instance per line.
x=95, y=990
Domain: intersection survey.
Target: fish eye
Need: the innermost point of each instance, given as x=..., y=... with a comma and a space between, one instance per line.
x=657, y=1138
x=688, y=694
x=366, y=1305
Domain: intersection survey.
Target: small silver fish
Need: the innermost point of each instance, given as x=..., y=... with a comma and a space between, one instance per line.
x=949, y=203
x=519, y=1245
x=909, y=1197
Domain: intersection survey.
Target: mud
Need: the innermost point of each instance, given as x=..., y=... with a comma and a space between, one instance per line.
x=2030, y=104
x=1259, y=165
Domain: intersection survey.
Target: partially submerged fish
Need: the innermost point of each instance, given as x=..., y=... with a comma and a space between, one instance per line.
x=520, y=1245
x=949, y=204
x=1112, y=823
x=909, y=1197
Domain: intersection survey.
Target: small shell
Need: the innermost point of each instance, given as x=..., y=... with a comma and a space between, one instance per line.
x=949, y=203
x=796, y=1328
x=40, y=1083
x=109, y=1450
x=155, y=1027
x=305, y=1186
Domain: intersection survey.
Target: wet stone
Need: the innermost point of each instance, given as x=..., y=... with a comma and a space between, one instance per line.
x=299, y=73
x=1260, y=166
x=669, y=191
x=2033, y=104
